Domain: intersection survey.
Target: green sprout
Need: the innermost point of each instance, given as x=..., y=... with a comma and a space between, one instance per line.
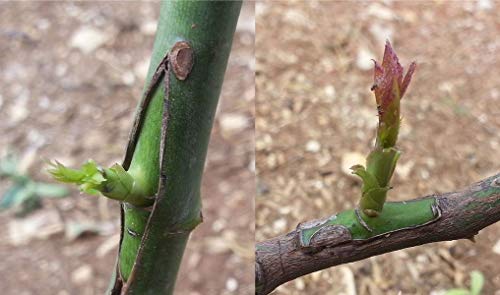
x=114, y=183
x=389, y=88
x=476, y=285
x=23, y=193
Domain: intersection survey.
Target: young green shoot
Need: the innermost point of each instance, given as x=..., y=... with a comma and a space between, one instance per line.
x=389, y=87
x=114, y=182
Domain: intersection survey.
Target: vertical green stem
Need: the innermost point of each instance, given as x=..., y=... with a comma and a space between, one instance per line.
x=209, y=28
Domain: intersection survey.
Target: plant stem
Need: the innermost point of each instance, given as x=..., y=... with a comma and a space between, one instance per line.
x=153, y=241
x=389, y=87
x=461, y=215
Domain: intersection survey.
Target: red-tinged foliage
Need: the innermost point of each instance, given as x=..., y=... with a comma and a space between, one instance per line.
x=387, y=76
x=389, y=87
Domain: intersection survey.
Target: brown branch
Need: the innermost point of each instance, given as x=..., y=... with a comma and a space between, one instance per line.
x=464, y=213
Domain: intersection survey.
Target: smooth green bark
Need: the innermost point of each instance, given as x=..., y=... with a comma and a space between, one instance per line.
x=396, y=216
x=209, y=28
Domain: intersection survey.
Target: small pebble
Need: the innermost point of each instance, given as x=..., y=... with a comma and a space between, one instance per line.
x=496, y=247
x=82, y=274
x=279, y=225
x=231, y=284
x=149, y=27
x=88, y=39
x=364, y=59
x=350, y=159
x=313, y=146
x=233, y=122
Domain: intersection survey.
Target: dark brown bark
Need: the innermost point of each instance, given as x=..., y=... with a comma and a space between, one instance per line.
x=464, y=213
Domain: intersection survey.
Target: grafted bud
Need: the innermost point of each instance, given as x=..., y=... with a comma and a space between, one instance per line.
x=114, y=183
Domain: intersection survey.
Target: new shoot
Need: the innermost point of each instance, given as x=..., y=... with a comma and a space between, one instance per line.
x=114, y=183
x=389, y=87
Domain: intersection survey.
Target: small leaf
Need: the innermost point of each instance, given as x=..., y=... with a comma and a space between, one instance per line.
x=89, y=188
x=8, y=165
x=64, y=174
x=89, y=177
x=47, y=190
x=95, y=178
x=18, y=194
x=457, y=292
x=9, y=196
x=90, y=168
x=369, y=181
x=373, y=195
x=476, y=282
x=114, y=182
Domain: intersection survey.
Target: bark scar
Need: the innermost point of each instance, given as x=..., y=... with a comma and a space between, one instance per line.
x=182, y=59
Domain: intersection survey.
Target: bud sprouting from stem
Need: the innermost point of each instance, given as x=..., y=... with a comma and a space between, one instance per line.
x=114, y=183
x=389, y=87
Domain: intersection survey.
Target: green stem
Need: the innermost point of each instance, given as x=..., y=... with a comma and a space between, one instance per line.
x=382, y=160
x=208, y=27
x=396, y=216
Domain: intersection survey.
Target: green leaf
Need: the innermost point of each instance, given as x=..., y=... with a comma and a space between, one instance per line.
x=373, y=195
x=457, y=292
x=17, y=194
x=89, y=177
x=64, y=174
x=9, y=196
x=47, y=190
x=8, y=165
x=115, y=182
x=476, y=282
x=369, y=180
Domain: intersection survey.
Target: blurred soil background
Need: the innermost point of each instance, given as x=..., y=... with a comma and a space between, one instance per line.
x=71, y=75
x=316, y=116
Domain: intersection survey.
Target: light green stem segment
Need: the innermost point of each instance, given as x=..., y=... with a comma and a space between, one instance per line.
x=380, y=166
x=208, y=26
x=395, y=216
x=381, y=161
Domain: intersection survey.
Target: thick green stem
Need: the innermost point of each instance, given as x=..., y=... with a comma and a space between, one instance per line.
x=153, y=243
x=395, y=217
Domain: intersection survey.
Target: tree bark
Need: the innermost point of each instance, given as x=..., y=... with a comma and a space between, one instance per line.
x=461, y=215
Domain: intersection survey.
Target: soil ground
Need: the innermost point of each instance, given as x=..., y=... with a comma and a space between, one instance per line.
x=314, y=109
x=71, y=97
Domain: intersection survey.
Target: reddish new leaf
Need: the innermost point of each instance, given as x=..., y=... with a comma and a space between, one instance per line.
x=387, y=74
x=389, y=87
